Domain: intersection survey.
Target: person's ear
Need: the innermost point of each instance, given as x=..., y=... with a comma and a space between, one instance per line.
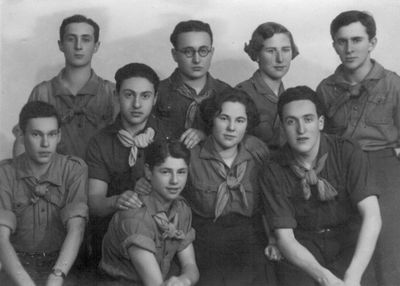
x=174, y=54
x=155, y=98
x=60, y=45
x=372, y=44
x=59, y=136
x=147, y=172
x=321, y=122
x=96, y=46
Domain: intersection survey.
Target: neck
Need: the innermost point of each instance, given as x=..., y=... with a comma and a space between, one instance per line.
x=197, y=84
x=75, y=78
x=228, y=155
x=274, y=84
x=307, y=159
x=38, y=170
x=166, y=205
x=358, y=75
x=133, y=129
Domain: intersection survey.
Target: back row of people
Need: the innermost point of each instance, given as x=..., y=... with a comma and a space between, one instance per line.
x=223, y=190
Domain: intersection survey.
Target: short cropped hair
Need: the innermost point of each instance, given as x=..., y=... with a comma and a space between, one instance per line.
x=348, y=17
x=79, y=19
x=159, y=150
x=266, y=31
x=190, y=26
x=136, y=70
x=299, y=93
x=211, y=107
x=37, y=109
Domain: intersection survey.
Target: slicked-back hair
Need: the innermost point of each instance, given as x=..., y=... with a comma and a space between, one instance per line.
x=299, y=93
x=211, y=107
x=348, y=17
x=80, y=19
x=266, y=31
x=161, y=149
x=37, y=109
x=189, y=26
x=136, y=70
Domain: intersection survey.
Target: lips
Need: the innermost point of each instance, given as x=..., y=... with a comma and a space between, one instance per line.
x=229, y=137
x=79, y=56
x=302, y=139
x=136, y=114
x=197, y=68
x=44, y=154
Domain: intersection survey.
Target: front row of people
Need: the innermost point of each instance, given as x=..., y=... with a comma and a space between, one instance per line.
x=320, y=213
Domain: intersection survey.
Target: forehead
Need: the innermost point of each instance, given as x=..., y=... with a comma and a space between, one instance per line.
x=352, y=30
x=79, y=29
x=173, y=163
x=193, y=39
x=43, y=124
x=278, y=39
x=137, y=84
x=299, y=108
x=235, y=109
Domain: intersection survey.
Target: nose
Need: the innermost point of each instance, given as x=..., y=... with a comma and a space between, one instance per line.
x=45, y=141
x=136, y=102
x=78, y=44
x=349, y=47
x=279, y=57
x=174, y=178
x=196, y=57
x=231, y=125
x=300, y=127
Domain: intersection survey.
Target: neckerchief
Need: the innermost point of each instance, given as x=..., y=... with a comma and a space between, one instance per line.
x=231, y=182
x=326, y=191
x=77, y=109
x=141, y=140
x=169, y=228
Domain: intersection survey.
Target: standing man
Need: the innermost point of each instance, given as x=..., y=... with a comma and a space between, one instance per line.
x=190, y=83
x=362, y=100
x=325, y=218
x=83, y=99
x=43, y=210
x=115, y=155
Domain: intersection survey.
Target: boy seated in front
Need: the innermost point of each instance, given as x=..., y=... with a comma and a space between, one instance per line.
x=43, y=204
x=140, y=243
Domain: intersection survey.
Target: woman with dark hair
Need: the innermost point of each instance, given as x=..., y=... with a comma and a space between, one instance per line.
x=141, y=243
x=224, y=194
x=273, y=48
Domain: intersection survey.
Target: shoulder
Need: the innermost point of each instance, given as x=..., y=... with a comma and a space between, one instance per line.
x=245, y=85
x=256, y=147
x=219, y=85
x=6, y=166
x=70, y=164
x=42, y=91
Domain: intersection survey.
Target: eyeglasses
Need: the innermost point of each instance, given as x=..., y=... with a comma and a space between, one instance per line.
x=189, y=52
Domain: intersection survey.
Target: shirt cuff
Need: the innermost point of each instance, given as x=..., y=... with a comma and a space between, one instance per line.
x=283, y=222
x=8, y=219
x=190, y=236
x=138, y=240
x=71, y=210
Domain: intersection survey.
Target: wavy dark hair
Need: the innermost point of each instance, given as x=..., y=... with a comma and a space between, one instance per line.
x=37, y=109
x=79, y=19
x=159, y=150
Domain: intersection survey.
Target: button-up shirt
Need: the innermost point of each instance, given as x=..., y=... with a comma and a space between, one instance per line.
x=368, y=112
x=38, y=221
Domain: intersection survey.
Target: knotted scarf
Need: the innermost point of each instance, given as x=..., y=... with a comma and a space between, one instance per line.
x=168, y=228
x=141, y=140
x=232, y=181
x=77, y=109
x=326, y=191
x=39, y=190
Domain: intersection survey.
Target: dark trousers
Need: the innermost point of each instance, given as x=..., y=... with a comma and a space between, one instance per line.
x=230, y=252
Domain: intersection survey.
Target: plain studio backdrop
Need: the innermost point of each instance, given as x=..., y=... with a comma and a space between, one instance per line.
x=139, y=30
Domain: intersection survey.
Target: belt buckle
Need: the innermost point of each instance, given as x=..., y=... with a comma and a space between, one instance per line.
x=324, y=230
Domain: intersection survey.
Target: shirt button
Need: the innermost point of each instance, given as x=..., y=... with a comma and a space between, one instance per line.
x=355, y=108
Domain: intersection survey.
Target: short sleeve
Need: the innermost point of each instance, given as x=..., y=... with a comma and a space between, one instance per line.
x=275, y=189
x=7, y=216
x=76, y=202
x=189, y=238
x=95, y=161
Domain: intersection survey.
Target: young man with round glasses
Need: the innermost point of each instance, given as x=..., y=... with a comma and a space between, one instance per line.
x=190, y=83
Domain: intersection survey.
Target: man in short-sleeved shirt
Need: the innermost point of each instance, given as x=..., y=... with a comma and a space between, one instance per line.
x=43, y=200
x=362, y=102
x=325, y=218
x=138, y=227
x=181, y=93
x=83, y=99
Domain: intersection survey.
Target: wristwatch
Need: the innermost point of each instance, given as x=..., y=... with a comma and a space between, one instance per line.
x=58, y=272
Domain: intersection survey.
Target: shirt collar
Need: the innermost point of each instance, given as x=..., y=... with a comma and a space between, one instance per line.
x=263, y=88
x=91, y=87
x=117, y=124
x=155, y=206
x=208, y=151
x=177, y=82
x=53, y=174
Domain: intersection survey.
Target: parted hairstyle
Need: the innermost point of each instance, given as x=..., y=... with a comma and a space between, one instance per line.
x=211, y=107
x=136, y=70
x=299, y=93
x=37, y=109
x=159, y=150
x=189, y=26
x=348, y=17
x=79, y=19
x=266, y=31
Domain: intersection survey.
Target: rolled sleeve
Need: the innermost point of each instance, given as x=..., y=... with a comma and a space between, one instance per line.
x=76, y=209
x=8, y=219
x=97, y=167
x=138, y=240
x=189, y=238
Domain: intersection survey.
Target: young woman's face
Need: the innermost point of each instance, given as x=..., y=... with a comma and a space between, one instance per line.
x=230, y=125
x=275, y=56
x=168, y=179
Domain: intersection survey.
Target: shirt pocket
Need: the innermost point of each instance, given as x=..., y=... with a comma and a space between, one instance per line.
x=379, y=110
x=204, y=197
